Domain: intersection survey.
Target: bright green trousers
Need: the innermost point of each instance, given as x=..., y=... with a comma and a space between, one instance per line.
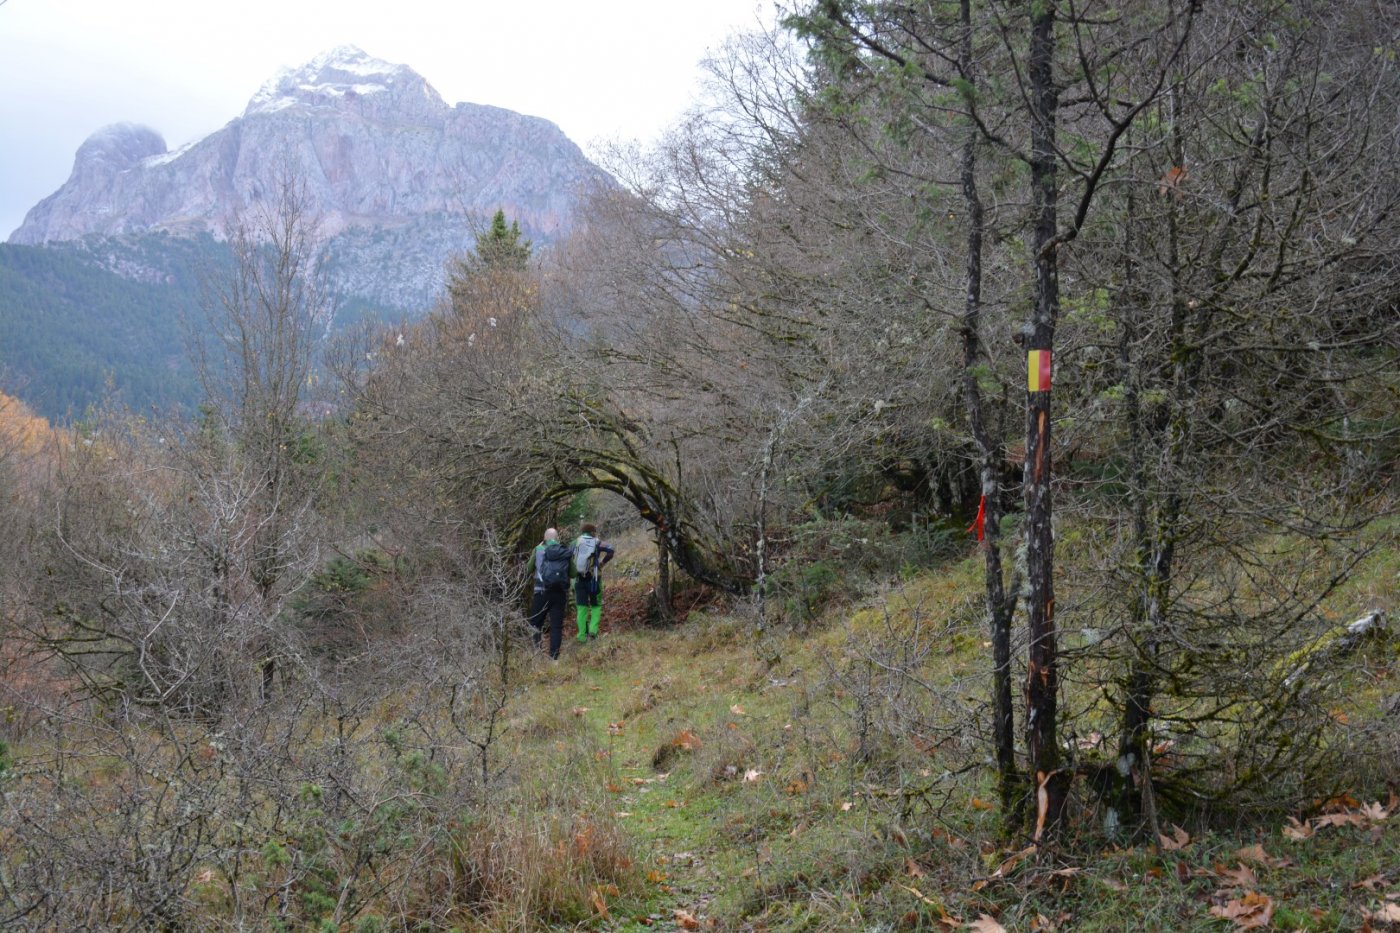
x=588, y=596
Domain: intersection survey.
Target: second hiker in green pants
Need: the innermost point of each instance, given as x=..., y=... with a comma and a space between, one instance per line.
x=590, y=556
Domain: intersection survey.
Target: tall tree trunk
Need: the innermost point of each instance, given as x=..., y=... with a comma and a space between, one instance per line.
x=1131, y=776
x=1000, y=608
x=661, y=604
x=1155, y=527
x=1051, y=783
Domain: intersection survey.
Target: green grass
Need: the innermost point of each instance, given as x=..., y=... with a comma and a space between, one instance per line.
x=815, y=839
x=796, y=781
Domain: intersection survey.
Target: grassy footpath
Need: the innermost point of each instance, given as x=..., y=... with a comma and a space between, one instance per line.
x=757, y=785
x=728, y=823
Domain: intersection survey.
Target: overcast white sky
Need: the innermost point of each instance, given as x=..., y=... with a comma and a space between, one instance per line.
x=605, y=69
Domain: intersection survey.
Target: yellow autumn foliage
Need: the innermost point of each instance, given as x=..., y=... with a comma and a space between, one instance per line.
x=22, y=431
x=30, y=448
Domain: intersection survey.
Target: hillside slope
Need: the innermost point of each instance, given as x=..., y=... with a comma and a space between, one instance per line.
x=786, y=784
x=73, y=332
x=829, y=775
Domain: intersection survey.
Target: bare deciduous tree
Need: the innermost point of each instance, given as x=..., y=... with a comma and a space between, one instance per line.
x=266, y=318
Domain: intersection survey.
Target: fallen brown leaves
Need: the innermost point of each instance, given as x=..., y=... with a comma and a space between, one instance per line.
x=1344, y=810
x=1254, y=853
x=686, y=741
x=1339, y=819
x=1388, y=913
x=1375, y=812
x=945, y=920
x=686, y=920
x=1241, y=877
x=1258, y=856
x=1178, y=840
x=1252, y=911
x=1373, y=883
x=1297, y=831
x=1239, y=901
x=1009, y=864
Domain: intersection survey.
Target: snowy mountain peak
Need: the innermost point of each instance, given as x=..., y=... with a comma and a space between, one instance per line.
x=391, y=170
x=345, y=71
x=351, y=59
x=120, y=146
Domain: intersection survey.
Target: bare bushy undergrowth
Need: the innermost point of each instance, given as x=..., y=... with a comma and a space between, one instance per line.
x=372, y=790
x=451, y=777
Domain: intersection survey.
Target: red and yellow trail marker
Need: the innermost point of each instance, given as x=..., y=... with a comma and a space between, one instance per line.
x=1038, y=371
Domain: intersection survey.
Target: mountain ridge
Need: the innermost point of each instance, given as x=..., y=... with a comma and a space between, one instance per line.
x=373, y=141
x=397, y=180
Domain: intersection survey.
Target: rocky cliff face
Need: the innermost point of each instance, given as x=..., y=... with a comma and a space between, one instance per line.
x=388, y=164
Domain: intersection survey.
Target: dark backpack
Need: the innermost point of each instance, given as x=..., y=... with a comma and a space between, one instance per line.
x=554, y=567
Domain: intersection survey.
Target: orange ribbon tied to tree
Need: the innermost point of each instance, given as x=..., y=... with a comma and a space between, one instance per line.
x=980, y=521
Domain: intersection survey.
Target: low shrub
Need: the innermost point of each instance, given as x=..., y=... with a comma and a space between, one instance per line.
x=528, y=869
x=823, y=560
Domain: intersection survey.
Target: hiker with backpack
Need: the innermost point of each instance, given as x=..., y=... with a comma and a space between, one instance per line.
x=551, y=564
x=590, y=556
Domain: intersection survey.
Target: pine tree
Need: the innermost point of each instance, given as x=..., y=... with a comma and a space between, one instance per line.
x=501, y=246
x=502, y=255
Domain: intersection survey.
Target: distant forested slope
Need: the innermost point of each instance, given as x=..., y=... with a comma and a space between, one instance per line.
x=108, y=319
x=73, y=331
